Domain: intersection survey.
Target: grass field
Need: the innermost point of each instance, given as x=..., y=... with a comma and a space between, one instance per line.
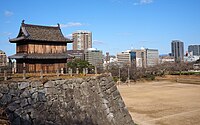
x=162, y=103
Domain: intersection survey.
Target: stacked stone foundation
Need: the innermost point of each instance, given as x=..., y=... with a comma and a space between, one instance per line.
x=78, y=101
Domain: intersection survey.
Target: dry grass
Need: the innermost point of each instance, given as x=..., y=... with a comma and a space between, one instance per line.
x=163, y=103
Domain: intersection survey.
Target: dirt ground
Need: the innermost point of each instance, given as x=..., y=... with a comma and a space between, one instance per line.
x=162, y=103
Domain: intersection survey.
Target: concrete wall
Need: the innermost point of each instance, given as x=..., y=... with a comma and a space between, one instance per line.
x=87, y=101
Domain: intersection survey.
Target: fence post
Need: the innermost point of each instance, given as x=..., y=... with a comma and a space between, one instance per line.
x=5, y=75
x=77, y=71
x=24, y=74
x=84, y=71
x=66, y=71
x=13, y=70
x=57, y=73
x=62, y=71
x=70, y=71
x=41, y=74
x=95, y=70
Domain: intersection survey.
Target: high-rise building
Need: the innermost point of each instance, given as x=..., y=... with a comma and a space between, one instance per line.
x=127, y=57
x=152, y=57
x=82, y=40
x=194, y=49
x=177, y=48
x=3, y=58
x=146, y=57
x=141, y=57
x=94, y=57
x=77, y=54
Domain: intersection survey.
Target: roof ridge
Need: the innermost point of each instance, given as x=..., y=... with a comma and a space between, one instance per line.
x=33, y=25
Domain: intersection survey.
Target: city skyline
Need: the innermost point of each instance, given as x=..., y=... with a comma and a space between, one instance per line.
x=116, y=25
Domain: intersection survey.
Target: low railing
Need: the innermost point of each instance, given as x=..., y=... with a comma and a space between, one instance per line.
x=8, y=73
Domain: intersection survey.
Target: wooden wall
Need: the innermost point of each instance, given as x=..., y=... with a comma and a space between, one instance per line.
x=47, y=48
x=41, y=48
x=21, y=48
x=35, y=66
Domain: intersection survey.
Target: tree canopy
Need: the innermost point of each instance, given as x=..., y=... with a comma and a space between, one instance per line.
x=80, y=64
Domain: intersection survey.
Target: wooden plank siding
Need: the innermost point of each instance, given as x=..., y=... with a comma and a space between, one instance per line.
x=22, y=48
x=47, y=48
x=35, y=66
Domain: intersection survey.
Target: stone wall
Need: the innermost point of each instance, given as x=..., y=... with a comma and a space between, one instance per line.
x=80, y=101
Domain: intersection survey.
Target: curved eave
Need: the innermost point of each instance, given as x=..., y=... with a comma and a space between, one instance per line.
x=15, y=40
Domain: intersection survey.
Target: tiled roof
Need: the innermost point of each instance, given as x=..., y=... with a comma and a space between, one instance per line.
x=40, y=33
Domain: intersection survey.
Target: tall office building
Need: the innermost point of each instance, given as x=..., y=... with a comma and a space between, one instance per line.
x=94, y=57
x=82, y=40
x=127, y=57
x=194, y=49
x=152, y=57
x=146, y=57
x=177, y=50
x=3, y=58
x=77, y=54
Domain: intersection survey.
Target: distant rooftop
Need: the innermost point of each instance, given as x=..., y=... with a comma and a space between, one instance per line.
x=82, y=31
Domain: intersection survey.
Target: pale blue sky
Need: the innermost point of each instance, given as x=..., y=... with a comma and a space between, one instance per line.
x=117, y=25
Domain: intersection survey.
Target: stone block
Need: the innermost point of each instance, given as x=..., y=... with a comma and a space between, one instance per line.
x=13, y=106
x=110, y=117
x=79, y=81
x=28, y=109
x=36, y=84
x=65, y=86
x=18, y=111
x=116, y=94
x=23, y=85
x=24, y=102
x=1, y=95
x=103, y=79
x=121, y=104
x=49, y=84
x=14, y=92
x=104, y=106
x=16, y=121
x=109, y=85
x=103, y=83
x=105, y=101
x=41, y=97
x=108, y=91
x=30, y=101
x=4, y=89
x=106, y=111
x=5, y=99
x=25, y=94
x=13, y=85
x=32, y=90
x=113, y=88
x=35, y=97
x=71, y=86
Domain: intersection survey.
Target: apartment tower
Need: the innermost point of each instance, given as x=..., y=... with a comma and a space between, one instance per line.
x=177, y=50
x=195, y=49
x=82, y=40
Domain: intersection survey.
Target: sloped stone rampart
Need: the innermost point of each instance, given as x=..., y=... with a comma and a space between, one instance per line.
x=80, y=101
